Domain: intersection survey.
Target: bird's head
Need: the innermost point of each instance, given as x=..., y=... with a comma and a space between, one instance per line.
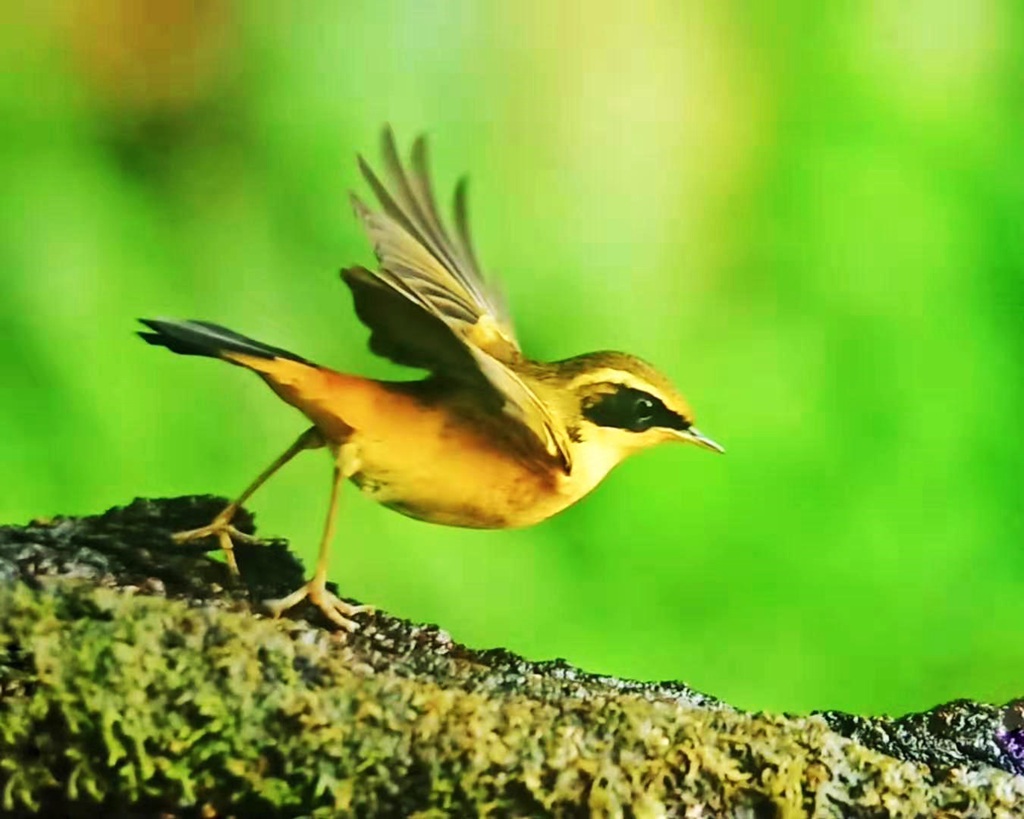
x=619, y=404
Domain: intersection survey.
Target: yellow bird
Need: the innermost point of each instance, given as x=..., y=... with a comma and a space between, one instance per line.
x=489, y=439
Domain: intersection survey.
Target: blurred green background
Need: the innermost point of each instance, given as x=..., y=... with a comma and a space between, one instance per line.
x=810, y=219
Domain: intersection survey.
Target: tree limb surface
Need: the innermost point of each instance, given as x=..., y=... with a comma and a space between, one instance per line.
x=137, y=680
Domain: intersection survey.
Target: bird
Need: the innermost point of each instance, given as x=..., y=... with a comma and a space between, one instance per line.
x=489, y=438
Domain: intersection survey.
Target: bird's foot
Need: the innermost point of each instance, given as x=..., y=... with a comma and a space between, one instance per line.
x=334, y=608
x=225, y=533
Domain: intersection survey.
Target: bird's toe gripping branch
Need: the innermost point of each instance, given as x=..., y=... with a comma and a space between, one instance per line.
x=225, y=533
x=334, y=608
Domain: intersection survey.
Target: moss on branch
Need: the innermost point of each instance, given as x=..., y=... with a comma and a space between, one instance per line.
x=134, y=678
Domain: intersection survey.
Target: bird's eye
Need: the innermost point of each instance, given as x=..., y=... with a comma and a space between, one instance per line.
x=630, y=409
x=644, y=411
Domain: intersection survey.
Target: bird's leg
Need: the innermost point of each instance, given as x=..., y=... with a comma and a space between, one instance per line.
x=221, y=528
x=336, y=609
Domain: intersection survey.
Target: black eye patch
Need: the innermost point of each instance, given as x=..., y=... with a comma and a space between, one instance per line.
x=632, y=409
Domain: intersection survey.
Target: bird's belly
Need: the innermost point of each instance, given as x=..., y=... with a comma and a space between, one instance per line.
x=457, y=483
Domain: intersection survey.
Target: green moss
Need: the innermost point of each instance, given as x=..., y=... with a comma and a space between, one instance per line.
x=132, y=683
x=112, y=698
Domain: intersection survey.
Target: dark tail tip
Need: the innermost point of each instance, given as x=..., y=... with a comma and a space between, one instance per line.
x=206, y=339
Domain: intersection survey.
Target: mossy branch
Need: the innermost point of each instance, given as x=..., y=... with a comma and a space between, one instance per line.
x=135, y=679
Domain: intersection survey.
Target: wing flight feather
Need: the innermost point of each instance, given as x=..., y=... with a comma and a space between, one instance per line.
x=464, y=331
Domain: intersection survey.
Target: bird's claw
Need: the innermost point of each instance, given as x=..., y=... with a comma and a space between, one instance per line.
x=334, y=608
x=225, y=533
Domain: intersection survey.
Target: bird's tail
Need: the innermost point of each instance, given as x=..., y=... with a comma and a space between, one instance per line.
x=321, y=394
x=212, y=340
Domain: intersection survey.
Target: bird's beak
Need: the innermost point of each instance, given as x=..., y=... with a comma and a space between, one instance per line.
x=694, y=436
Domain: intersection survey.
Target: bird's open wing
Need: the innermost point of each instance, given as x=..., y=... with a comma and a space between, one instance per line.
x=428, y=304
